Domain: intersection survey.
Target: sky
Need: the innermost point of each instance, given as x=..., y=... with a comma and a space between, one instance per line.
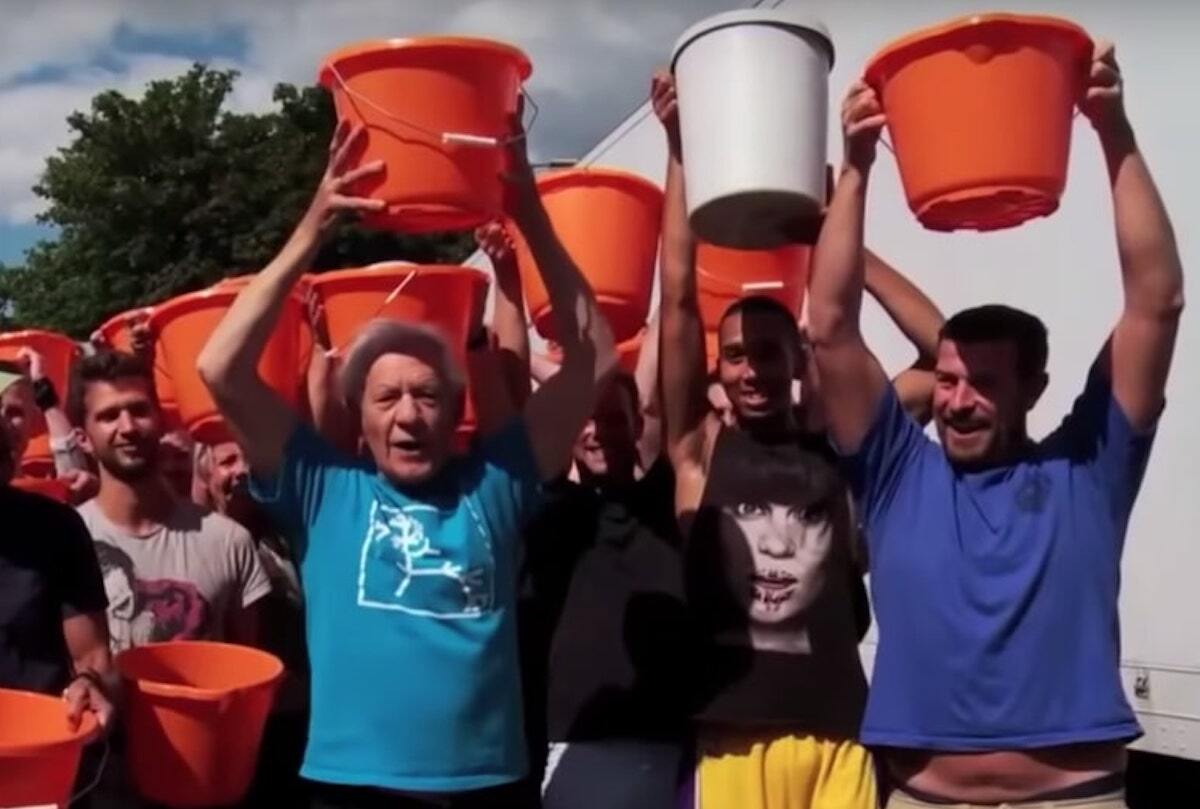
x=591, y=59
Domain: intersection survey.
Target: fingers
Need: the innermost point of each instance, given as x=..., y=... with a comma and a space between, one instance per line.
x=356, y=174
x=338, y=202
x=339, y=136
x=342, y=153
x=75, y=696
x=874, y=122
x=1105, y=52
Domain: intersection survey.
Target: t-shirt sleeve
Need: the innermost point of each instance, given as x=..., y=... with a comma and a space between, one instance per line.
x=294, y=495
x=510, y=485
x=875, y=471
x=252, y=578
x=1102, y=439
x=79, y=581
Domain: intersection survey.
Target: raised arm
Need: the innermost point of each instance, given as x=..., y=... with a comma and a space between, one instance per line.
x=1143, y=341
x=683, y=380
x=260, y=420
x=557, y=411
x=508, y=312
x=645, y=374
x=918, y=319
x=852, y=381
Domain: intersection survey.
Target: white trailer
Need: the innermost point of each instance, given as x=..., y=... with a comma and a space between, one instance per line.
x=1063, y=268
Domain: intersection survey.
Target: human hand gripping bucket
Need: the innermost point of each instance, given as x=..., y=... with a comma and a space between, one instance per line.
x=39, y=750
x=59, y=354
x=438, y=113
x=980, y=111
x=195, y=716
x=753, y=90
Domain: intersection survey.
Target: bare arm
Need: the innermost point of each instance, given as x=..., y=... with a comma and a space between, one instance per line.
x=87, y=644
x=852, y=380
x=260, y=420
x=557, y=411
x=1143, y=340
x=918, y=319
x=330, y=417
x=645, y=374
x=684, y=401
x=508, y=321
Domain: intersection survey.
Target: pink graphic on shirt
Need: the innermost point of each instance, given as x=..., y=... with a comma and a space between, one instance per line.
x=148, y=610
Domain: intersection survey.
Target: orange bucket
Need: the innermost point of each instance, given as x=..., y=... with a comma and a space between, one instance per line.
x=195, y=717
x=39, y=751
x=115, y=331
x=725, y=275
x=608, y=221
x=980, y=110
x=437, y=111
x=436, y=295
x=183, y=325
x=238, y=282
x=59, y=353
x=53, y=488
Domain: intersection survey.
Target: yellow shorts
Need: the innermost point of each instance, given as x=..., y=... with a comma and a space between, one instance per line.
x=782, y=772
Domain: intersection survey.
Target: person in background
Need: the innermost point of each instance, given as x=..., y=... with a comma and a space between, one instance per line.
x=772, y=559
x=1004, y=688
x=27, y=393
x=53, y=634
x=409, y=563
x=172, y=570
x=224, y=475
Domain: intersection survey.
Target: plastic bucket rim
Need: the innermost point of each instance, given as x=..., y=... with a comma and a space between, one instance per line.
x=551, y=181
x=88, y=729
x=9, y=338
x=897, y=50
x=380, y=271
x=766, y=17
x=415, y=44
x=175, y=690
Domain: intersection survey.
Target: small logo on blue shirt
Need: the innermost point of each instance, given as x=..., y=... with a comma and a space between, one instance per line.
x=404, y=567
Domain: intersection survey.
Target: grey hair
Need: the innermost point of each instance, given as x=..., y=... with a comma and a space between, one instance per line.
x=385, y=336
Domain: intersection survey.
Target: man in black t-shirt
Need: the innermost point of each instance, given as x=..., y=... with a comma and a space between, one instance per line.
x=604, y=631
x=53, y=634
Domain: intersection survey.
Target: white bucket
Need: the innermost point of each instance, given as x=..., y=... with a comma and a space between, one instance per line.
x=753, y=90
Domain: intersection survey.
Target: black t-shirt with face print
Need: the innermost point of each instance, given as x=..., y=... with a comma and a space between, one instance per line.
x=773, y=587
x=48, y=573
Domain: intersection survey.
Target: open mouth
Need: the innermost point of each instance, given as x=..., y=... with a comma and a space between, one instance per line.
x=409, y=446
x=772, y=589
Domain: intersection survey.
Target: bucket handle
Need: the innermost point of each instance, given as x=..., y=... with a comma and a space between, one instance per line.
x=445, y=138
x=391, y=296
x=745, y=287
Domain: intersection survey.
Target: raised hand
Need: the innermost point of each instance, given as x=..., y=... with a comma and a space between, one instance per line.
x=862, y=123
x=33, y=363
x=497, y=244
x=666, y=107
x=1104, y=100
x=330, y=201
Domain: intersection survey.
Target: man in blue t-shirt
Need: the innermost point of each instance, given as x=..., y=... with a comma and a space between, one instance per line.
x=409, y=560
x=995, y=560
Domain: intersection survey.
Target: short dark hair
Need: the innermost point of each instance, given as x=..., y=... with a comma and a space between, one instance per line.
x=762, y=305
x=104, y=366
x=996, y=322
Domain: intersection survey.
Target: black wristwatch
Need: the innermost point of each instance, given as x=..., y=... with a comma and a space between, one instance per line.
x=44, y=395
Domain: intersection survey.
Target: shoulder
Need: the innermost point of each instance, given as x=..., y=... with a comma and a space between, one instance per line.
x=208, y=526
x=39, y=512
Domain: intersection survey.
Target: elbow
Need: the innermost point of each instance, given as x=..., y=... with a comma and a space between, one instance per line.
x=214, y=371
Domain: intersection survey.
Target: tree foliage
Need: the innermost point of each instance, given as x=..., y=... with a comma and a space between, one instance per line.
x=167, y=193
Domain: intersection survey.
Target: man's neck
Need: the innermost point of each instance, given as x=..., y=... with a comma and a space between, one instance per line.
x=140, y=506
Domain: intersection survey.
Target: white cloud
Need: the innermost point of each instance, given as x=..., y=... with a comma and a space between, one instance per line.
x=591, y=58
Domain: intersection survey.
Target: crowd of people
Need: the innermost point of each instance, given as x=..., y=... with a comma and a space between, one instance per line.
x=633, y=590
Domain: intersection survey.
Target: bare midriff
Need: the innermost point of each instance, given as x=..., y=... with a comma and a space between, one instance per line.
x=1006, y=775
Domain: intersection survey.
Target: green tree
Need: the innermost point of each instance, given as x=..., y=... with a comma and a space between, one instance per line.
x=167, y=193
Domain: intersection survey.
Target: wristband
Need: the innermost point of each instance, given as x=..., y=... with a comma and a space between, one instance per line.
x=44, y=395
x=93, y=678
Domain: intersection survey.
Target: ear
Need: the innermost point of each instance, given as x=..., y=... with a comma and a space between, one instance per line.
x=1034, y=389
x=81, y=438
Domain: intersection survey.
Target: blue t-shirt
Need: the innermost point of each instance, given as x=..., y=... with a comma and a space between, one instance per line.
x=410, y=613
x=996, y=591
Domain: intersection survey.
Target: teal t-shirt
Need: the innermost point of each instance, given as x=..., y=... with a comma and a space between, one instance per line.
x=410, y=613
